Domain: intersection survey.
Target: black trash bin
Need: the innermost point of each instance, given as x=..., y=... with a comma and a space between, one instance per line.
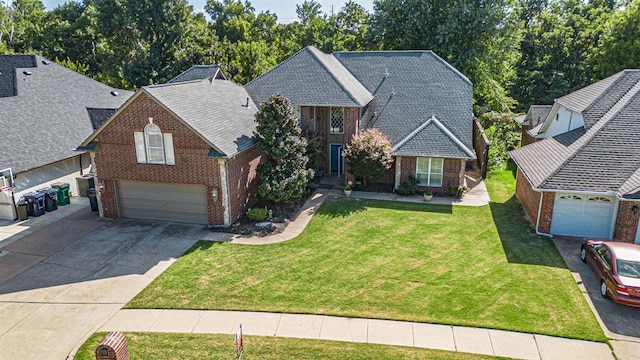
x=35, y=203
x=22, y=210
x=91, y=194
x=50, y=199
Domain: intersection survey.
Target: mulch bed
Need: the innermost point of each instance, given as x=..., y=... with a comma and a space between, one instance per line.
x=281, y=216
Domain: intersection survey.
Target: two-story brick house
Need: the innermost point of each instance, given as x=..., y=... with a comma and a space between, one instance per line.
x=421, y=103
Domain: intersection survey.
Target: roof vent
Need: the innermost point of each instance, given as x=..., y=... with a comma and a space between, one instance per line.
x=114, y=93
x=26, y=72
x=46, y=62
x=0, y=73
x=386, y=74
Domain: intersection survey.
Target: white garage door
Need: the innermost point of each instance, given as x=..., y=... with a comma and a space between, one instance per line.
x=582, y=215
x=161, y=201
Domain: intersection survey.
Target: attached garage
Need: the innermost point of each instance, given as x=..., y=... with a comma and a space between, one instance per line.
x=162, y=201
x=583, y=215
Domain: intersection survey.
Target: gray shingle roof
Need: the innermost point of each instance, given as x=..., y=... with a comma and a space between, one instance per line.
x=433, y=139
x=200, y=72
x=601, y=158
x=216, y=110
x=580, y=100
x=537, y=114
x=417, y=86
x=310, y=77
x=48, y=117
x=8, y=65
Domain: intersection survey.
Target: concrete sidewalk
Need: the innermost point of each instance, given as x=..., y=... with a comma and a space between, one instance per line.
x=319, y=327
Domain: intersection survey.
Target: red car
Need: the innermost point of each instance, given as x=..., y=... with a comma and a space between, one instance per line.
x=617, y=265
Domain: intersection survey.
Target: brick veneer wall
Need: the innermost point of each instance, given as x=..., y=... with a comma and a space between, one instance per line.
x=322, y=130
x=116, y=156
x=450, y=176
x=546, y=212
x=244, y=181
x=526, y=139
x=529, y=198
x=351, y=120
x=626, y=221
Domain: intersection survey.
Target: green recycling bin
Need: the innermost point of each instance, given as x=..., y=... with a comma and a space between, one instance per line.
x=62, y=189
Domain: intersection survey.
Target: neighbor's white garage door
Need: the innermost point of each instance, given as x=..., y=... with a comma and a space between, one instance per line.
x=161, y=201
x=582, y=215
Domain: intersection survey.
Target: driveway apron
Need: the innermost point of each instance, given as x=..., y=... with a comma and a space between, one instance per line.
x=61, y=282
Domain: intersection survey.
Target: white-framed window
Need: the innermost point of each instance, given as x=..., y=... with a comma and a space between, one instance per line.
x=336, y=120
x=153, y=146
x=429, y=171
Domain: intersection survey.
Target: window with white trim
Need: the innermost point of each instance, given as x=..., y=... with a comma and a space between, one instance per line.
x=429, y=171
x=153, y=146
x=336, y=120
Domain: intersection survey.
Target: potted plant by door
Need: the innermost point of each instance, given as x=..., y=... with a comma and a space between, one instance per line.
x=347, y=188
x=428, y=195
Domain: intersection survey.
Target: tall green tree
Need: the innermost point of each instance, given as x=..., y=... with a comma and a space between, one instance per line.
x=466, y=33
x=619, y=46
x=20, y=23
x=285, y=174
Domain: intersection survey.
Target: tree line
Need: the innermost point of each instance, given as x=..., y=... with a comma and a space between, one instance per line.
x=516, y=52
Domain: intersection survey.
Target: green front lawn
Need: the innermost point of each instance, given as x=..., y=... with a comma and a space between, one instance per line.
x=472, y=266
x=198, y=347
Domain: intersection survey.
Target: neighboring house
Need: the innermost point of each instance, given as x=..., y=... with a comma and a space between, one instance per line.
x=532, y=122
x=582, y=178
x=421, y=103
x=199, y=72
x=46, y=111
x=179, y=152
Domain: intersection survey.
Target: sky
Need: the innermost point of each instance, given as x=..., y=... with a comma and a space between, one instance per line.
x=285, y=9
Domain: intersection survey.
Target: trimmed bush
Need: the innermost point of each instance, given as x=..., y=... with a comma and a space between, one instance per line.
x=257, y=214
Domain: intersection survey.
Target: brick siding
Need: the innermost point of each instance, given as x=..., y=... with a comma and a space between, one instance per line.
x=529, y=198
x=243, y=181
x=546, y=212
x=626, y=221
x=526, y=139
x=116, y=158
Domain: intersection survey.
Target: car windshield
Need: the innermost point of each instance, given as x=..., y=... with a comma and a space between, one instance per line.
x=629, y=268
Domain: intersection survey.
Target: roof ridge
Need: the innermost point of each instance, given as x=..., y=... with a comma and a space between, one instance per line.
x=453, y=137
x=314, y=51
x=614, y=83
x=413, y=133
x=279, y=65
x=597, y=127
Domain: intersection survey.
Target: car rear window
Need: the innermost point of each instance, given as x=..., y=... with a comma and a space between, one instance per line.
x=629, y=268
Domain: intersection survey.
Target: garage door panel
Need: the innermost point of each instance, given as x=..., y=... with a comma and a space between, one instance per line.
x=582, y=215
x=161, y=201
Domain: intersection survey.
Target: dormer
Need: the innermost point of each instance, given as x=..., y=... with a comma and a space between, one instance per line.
x=561, y=119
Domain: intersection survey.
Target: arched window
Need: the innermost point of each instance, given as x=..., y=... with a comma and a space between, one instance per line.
x=153, y=146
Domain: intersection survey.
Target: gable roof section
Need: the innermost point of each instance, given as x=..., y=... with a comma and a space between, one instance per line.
x=47, y=117
x=603, y=158
x=537, y=114
x=215, y=110
x=310, y=77
x=200, y=72
x=433, y=139
x=410, y=87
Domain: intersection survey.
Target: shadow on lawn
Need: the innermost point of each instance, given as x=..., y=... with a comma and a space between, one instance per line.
x=520, y=243
x=345, y=207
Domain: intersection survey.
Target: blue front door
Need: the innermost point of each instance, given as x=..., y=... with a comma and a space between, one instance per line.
x=337, y=161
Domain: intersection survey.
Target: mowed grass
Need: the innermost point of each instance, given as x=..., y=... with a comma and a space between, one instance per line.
x=471, y=266
x=199, y=346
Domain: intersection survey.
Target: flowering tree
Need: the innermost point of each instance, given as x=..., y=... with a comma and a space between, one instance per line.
x=368, y=155
x=284, y=176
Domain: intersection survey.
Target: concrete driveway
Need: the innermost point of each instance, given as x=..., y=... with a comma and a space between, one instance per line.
x=620, y=323
x=62, y=282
